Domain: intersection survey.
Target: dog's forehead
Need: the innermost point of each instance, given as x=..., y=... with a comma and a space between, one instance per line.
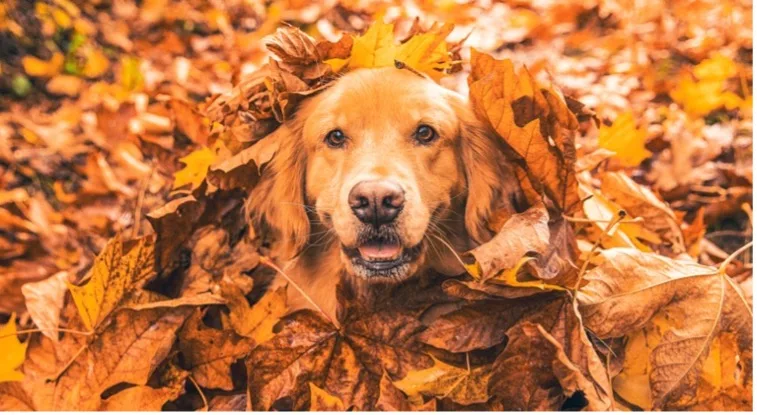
x=385, y=85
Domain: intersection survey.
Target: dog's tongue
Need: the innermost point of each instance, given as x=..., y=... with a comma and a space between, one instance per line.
x=380, y=252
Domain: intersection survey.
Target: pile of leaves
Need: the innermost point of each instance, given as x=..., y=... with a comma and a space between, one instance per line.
x=131, y=280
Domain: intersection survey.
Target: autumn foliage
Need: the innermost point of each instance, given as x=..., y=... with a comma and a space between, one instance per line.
x=131, y=134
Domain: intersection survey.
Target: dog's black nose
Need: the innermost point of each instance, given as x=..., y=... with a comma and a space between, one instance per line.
x=376, y=201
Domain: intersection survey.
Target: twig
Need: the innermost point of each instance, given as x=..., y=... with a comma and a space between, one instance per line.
x=619, y=216
x=39, y=330
x=202, y=395
x=140, y=202
x=733, y=256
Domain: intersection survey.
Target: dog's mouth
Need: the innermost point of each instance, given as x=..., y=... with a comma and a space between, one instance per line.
x=382, y=255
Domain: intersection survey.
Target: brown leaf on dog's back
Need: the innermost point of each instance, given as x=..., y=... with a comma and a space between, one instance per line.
x=535, y=122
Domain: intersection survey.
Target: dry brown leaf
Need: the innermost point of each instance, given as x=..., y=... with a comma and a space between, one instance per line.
x=209, y=353
x=347, y=363
x=535, y=122
x=128, y=350
x=320, y=400
x=462, y=386
x=629, y=288
x=524, y=233
x=255, y=322
x=44, y=300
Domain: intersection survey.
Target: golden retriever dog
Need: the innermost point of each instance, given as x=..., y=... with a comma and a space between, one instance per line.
x=377, y=180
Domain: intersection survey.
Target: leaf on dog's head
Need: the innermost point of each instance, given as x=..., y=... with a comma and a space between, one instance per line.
x=375, y=48
x=534, y=121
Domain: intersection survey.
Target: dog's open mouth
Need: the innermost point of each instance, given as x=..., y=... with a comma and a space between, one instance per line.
x=382, y=256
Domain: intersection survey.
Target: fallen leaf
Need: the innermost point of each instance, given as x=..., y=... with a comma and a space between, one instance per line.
x=320, y=400
x=209, y=353
x=309, y=349
x=14, y=352
x=463, y=386
x=625, y=140
x=13, y=397
x=255, y=322
x=44, y=300
x=196, y=168
x=119, y=268
x=41, y=68
x=629, y=288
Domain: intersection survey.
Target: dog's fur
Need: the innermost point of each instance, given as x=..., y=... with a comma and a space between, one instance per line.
x=451, y=185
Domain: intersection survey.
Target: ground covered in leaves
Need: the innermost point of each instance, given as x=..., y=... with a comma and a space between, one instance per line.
x=132, y=132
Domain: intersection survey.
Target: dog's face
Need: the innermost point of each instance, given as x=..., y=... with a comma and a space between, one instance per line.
x=382, y=166
x=379, y=162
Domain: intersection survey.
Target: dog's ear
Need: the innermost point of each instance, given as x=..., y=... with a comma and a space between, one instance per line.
x=490, y=179
x=276, y=206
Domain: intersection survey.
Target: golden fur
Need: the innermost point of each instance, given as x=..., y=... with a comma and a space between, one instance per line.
x=451, y=185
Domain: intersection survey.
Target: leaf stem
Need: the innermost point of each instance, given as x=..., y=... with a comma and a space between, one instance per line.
x=733, y=256
x=614, y=221
x=202, y=395
x=267, y=262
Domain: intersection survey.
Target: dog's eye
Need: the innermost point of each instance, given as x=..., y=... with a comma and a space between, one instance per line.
x=335, y=139
x=425, y=134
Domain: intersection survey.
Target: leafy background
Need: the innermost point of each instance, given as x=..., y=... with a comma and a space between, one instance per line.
x=131, y=132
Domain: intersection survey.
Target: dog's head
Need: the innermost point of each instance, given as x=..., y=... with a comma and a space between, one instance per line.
x=379, y=164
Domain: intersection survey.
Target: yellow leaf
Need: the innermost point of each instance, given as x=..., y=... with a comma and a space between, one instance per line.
x=443, y=380
x=321, y=400
x=717, y=68
x=375, y=48
x=625, y=140
x=197, y=164
x=114, y=272
x=256, y=321
x=38, y=67
x=510, y=277
x=97, y=64
x=12, y=352
x=427, y=53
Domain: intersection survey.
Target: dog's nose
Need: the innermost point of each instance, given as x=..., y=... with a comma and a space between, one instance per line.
x=376, y=201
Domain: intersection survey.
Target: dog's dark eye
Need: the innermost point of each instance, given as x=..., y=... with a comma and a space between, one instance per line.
x=425, y=134
x=335, y=139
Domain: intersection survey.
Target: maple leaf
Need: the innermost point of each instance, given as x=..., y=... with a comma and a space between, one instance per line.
x=629, y=288
x=127, y=350
x=14, y=398
x=375, y=48
x=14, y=352
x=348, y=363
x=427, y=52
x=148, y=398
x=120, y=267
x=320, y=400
x=625, y=140
x=708, y=92
x=534, y=122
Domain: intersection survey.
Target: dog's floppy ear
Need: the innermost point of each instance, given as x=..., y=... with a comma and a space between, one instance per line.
x=490, y=180
x=276, y=206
